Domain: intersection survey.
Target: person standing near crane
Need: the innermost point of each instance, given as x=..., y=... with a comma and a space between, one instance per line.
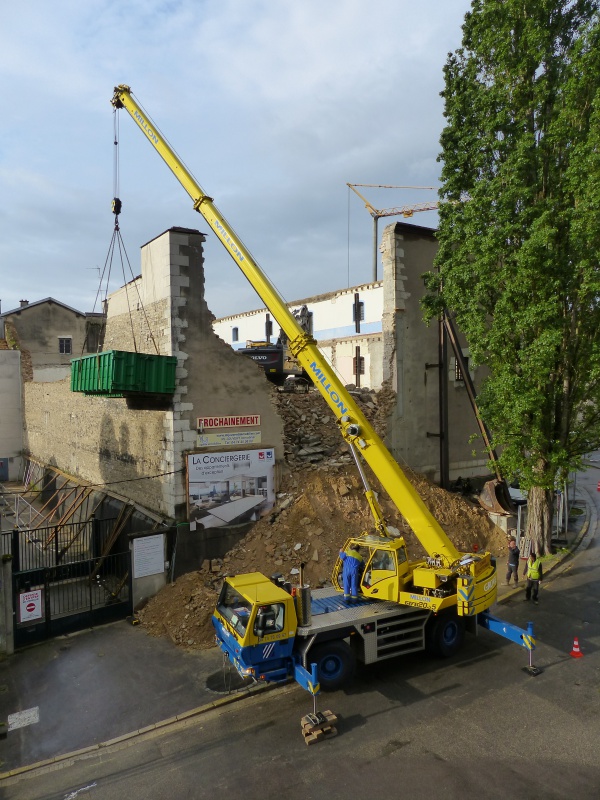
x=534, y=573
x=353, y=567
x=512, y=565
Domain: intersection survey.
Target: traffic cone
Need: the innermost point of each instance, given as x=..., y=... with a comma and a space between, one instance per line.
x=576, y=652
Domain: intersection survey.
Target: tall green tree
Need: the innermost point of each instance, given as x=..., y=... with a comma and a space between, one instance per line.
x=518, y=262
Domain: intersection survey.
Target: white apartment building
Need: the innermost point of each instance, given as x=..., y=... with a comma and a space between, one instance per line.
x=346, y=323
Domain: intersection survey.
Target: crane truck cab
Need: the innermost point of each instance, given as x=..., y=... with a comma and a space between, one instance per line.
x=256, y=620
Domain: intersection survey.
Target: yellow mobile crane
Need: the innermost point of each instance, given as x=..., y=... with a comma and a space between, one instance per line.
x=408, y=605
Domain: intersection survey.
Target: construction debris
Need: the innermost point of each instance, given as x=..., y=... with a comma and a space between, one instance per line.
x=319, y=505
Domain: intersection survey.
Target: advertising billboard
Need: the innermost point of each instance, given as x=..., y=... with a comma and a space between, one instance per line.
x=230, y=488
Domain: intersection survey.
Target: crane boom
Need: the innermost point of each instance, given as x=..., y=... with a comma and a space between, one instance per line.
x=355, y=428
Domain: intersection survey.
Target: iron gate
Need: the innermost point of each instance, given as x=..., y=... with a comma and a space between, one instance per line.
x=65, y=580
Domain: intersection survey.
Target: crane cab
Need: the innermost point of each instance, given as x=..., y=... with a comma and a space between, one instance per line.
x=385, y=569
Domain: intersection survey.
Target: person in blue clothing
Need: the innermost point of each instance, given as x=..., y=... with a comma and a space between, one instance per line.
x=353, y=564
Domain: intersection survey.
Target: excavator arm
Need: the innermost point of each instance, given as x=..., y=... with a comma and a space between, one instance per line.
x=354, y=427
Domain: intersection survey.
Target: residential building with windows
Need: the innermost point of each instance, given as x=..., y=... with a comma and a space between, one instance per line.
x=49, y=334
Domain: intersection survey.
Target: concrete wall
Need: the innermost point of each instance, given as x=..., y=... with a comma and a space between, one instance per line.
x=11, y=422
x=107, y=440
x=408, y=346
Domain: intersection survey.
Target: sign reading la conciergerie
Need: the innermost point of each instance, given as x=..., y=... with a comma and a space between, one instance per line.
x=230, y=487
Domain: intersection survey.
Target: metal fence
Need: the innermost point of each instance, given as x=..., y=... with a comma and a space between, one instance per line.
x=71, y=596
x=56, y=545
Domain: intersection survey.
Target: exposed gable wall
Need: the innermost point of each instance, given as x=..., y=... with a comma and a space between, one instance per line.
x=105, y=440
x=409, y=346
x=11, y=425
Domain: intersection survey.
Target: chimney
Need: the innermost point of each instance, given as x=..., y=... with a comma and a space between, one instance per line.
x=24, y=303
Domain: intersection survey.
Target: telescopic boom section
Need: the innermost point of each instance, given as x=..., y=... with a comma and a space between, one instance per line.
x=354, y=426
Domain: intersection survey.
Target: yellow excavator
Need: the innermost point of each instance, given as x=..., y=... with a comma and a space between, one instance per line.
x=271, y=630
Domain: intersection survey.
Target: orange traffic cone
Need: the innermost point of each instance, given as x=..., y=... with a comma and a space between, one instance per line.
x=576, y=652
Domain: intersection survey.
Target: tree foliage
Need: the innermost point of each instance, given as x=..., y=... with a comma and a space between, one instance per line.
x=518, y=262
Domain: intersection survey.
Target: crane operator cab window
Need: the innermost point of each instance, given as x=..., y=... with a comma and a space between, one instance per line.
x=380, y=577
x=269, y=619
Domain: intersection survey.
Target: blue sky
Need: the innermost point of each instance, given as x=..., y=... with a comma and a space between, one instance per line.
x=273, y=105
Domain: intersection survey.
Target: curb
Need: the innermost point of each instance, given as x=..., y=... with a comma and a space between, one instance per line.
x=583, y=538
x=62, y=760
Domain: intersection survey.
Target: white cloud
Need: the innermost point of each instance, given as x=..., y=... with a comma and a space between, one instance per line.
x=273, y=105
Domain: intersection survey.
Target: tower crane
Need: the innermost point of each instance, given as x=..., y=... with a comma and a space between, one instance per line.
x=396, y=211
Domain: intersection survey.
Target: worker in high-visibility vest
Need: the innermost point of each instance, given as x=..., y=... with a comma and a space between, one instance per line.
x=353, y=567
x=534, y=574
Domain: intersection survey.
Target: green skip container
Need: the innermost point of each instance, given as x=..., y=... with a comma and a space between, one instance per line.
x=117, y=373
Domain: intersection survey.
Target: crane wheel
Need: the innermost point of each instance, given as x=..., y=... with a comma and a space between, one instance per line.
x=444, y=634
x=335, y=664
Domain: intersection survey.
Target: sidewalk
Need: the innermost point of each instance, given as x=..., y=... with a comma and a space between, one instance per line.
x=84, y=690
x=580, y=531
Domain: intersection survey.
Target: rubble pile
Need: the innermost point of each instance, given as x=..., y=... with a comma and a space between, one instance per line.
x=311, y=432
x=320, y=504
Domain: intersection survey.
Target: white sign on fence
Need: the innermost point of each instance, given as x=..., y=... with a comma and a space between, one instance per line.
x=31, y=605
x=148, y=555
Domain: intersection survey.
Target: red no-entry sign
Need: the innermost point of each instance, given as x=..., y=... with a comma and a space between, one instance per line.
x=31, y=605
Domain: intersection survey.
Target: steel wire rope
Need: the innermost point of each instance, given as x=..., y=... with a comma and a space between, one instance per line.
x=117, y=241
x=121, y=243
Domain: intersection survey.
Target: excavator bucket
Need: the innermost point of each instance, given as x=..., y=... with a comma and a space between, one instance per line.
x=496, y=498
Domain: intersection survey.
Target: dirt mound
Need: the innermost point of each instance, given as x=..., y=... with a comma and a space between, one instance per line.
x=320, y=504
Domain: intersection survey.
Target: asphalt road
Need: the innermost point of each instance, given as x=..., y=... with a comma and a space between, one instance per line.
x=474, y=726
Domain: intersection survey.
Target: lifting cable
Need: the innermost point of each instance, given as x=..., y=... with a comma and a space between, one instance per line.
x=117, y=243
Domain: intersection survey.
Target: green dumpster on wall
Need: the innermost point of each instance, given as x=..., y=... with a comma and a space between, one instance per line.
x=117, y=373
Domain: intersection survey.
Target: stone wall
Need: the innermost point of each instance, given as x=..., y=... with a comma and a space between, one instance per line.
x=100, y=440
x=340, y=353
x=410, y=359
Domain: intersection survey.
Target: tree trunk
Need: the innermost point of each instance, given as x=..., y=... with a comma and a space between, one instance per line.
x=540, y=504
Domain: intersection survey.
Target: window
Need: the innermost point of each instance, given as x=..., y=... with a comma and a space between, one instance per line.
x=269, y=619
x=383, y=560
x=380, y=566
x=65, y=345
x=235, y=334
x=234, y=608
x=358, y=365
x=268, y=327
x=458, y=374
x=358, y=311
